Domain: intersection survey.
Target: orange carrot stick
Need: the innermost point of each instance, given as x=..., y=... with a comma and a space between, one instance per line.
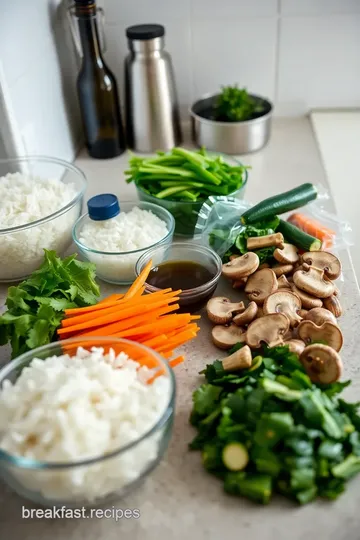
x=313, y=227
x=178, y=340
x=176, y=361
x=159, y=326
x=155, y=342
x=139, y=281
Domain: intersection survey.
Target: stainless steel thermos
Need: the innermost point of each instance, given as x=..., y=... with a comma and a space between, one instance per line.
x=152, y=111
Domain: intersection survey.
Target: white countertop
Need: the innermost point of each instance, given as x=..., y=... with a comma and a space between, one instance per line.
x=180, y=500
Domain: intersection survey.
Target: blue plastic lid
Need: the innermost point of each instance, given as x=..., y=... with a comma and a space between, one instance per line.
x=102, y=207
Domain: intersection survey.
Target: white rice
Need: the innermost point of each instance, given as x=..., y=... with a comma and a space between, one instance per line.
x=70, y=408
x=24, y=199
x=128, y=231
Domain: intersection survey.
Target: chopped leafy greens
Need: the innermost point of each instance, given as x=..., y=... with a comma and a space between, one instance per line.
x=36, y=306
x=303, y=439
x=235, y=105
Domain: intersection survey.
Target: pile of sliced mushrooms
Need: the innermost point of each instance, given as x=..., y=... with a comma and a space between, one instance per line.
x=294, y=303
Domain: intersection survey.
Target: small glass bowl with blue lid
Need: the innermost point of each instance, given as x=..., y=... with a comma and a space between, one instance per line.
x=114, y=235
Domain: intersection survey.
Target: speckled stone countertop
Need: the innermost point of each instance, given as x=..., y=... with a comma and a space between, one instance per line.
x=179, y=500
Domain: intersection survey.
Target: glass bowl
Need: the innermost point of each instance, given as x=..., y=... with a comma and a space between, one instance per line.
x=22, y=247
x=101, y=478
x=190, y=300
x=186, y=212
x=119, y=267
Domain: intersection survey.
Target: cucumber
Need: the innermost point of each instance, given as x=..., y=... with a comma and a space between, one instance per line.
x=299, y=238
x=279, y=204
x=235, y=456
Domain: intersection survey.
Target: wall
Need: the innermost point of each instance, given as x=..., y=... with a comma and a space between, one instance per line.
x=302, y=54
x=38, y=71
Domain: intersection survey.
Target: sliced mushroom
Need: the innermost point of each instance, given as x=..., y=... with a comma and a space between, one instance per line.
x=283, y=282
x=246, y=316
x=232, y=257
x=258, y=242
x=336, y=291
x=260, y=285
x=286, y=255
x=311, y=280
x=239, y=283
x=307, y=301
x=295, y=345
x=303, y=313
x=327, y=333
x=241, y=267
x=324, y=261
x=260, y=313
x=322, y=363
x=240, y=359
x=319, y=316
x=270, y=329
x=290, y=334
x=284, y=302
x=281, y=269
x=333, y=305
x=264, y=265
x=226, y=337
x=220, y=310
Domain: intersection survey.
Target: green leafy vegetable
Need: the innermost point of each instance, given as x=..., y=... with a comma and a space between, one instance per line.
x=36, y=306
x=235, y=105
x=299, y=439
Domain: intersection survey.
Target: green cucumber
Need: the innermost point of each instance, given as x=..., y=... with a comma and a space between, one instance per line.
x=235, y=456
x=297, y=237
x=279, y=204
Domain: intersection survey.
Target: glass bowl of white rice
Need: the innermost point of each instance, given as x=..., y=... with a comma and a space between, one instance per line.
x=40, y=200
x=82, y=423
x=115, y=245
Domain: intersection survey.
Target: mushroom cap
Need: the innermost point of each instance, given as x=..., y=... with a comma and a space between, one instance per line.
x=283, y=282
x=260, y=285
x=281, y=269
x=319, y=316
x=240, y=359
x=324, y=261
x=327, y=333
x=270, y=329
x=295, y=345
x=333, y=305
x=311, y=280
x=287, y=255
x=246, y=316
x=322, y=363
x=241, y=267
x=284, y=302
x=220, y=310
x=239, y=283
x=307, y=301
x=303, y=313
x=226, y=337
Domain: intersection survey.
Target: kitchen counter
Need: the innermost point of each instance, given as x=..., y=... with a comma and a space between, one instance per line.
x=180, y=500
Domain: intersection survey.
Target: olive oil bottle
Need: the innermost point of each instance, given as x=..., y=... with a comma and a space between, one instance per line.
x=97, y=90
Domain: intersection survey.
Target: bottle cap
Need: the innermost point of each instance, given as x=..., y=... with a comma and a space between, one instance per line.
x=145, y=31
x=104, y=206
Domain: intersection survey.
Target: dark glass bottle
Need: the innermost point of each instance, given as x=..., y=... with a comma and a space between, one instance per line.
x=97, y=90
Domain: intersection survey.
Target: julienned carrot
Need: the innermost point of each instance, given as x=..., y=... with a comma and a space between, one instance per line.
x=313, y=227
x=121, y=311
x=176, y=341
x=167, y=354
x=176, y=361
x=139, y=281
x=118, y=326
x=155, y=342
x=173, y=333
x=159, y=326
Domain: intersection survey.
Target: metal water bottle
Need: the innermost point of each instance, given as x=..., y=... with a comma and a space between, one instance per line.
x=152, y=111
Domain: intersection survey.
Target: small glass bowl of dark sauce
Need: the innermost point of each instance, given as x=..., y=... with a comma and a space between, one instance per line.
x=193, y=268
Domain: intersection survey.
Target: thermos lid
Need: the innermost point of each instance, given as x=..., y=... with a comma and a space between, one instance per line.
x=102, y=207
x=145, y=31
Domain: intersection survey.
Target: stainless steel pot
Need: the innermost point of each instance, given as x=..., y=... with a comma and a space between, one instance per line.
x=229, y=137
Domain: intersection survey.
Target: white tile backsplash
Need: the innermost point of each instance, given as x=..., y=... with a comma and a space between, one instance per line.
x=319, y=7
x=246, y=57
x=234, y=8
x=150, y=11
x=319, y=62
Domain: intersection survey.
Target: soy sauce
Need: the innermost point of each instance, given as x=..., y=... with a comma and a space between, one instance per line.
x=183, y=275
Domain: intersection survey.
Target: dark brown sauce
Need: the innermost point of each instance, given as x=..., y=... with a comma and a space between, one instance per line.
x=183, y=275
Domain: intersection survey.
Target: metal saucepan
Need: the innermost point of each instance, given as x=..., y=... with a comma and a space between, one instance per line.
x=229, y=137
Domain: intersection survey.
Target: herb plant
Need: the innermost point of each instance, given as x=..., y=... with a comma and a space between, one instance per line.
x=236, y=105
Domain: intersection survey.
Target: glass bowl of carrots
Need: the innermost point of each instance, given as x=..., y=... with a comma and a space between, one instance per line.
x=59, y=483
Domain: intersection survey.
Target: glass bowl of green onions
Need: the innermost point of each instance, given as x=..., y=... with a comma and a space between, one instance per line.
x=181, y=180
